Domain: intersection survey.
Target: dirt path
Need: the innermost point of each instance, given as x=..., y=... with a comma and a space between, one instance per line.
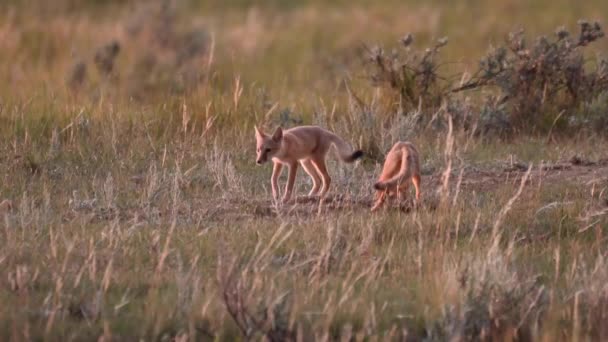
x=204, y=211
x=575, y=171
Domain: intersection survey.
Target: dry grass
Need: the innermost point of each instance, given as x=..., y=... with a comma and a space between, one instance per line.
x=134, y=209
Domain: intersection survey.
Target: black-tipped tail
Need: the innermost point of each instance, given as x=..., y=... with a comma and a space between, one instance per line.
x=356, y=155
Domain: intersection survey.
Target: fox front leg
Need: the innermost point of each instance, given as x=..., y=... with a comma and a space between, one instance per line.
x=276, y=172
x=293, y=168
x=380, y=198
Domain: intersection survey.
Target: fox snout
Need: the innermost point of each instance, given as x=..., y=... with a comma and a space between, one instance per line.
x=261, y=160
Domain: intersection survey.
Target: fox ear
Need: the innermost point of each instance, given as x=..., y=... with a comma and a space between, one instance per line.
x=278, y=134
x=258, y=132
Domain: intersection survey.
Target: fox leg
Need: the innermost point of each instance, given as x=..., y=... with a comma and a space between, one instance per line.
x=401, y=191
x=416, y=182
x=276, y=172
x=380, y=197
x=293, y=168
x=308, y=166
x=319, y=163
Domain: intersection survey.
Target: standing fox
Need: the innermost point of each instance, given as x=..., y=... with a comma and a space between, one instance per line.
x=307, y=145
x=402, y=164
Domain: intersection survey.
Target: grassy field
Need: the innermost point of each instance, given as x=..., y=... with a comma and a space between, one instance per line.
x=127, y=153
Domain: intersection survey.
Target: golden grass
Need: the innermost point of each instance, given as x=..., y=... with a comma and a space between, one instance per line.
x=137, y=211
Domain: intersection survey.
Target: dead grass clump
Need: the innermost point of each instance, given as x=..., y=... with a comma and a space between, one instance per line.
x=105, y=57
x=223, y=173
x=167, y=54
x=157, y=53
x=494, y=303
x=77, y=76
x=374, y=130
x=251, y=298
x=254, y=317
x=586, y=306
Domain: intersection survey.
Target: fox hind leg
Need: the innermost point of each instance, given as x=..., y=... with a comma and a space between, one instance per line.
x=401, y=192
x=310, y=169
x=416, y=182
x=319, y=164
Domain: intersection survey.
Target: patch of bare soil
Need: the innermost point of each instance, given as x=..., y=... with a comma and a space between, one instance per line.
x=299, y=206
x=574, y=171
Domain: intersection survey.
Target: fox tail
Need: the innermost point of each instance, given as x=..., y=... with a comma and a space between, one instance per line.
x=403, y=172
x=345, y=152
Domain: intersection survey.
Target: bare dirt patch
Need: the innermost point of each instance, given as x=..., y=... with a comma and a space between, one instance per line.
x=574, y=171
x=468, y=179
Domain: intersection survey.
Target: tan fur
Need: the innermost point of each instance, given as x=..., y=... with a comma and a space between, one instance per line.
x=307, y=145
x=402, y=164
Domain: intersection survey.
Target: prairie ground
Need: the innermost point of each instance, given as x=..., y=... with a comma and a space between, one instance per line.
x=127, y=154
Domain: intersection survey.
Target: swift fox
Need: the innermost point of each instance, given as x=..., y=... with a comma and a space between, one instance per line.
x=307, y=145
x=402, y=164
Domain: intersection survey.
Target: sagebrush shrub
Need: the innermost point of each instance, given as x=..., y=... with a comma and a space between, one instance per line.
x=411, y=76
x=538, y=81
x=528, y=86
